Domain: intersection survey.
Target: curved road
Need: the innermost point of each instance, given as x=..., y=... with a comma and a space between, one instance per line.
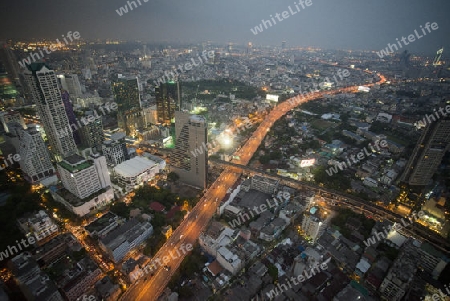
x=150, y=287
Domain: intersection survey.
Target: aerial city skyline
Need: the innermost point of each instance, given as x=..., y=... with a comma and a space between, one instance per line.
x=162, y=150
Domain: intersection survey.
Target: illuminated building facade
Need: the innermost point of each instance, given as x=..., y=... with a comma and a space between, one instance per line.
x=168, y=100
x=129, y=113
x=50, y=108
x=428, y=153
x=191, y=134
x=35, y=160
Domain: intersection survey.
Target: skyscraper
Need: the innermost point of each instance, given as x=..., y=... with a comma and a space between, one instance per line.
x=126, y=94
x=50, y=107
x=68, y=107
x=428, y=153
x=92, y=133
x=115, y=149
x=191, y=135
x=35, y=160
x=71, y=84
x=168, y=100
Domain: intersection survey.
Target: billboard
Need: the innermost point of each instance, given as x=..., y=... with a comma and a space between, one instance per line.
x=272, y=97
x=363, y=89
x=307, y=162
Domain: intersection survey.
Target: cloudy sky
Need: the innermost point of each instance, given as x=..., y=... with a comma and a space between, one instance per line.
x=334, y=24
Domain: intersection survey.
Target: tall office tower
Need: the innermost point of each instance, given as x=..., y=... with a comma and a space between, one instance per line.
x=115, y=149
x=35, y=160
x=92, y=133
x=168, y=100
x=126, y=95
x=429, y=151
x=79, y=176
x=50, y=107
x=68, y=107
x=283, y=45
x=71, y=84
x=186, y=161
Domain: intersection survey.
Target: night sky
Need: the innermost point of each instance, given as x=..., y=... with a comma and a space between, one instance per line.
x=332, y=24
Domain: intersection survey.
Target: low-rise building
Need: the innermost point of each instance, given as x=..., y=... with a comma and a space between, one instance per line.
x=103, y=225
x=53, y=249
x=79, y=278
x=399, y=277
x=263, y=184
x=216, y=237
x=124, y=238
x=273, y=230
x=84, y=206
x=34, y=284
x=134, y=172
x=39, y=225
x=229, y=260
x=353, y=136
x=370, y=182
x=107, y=290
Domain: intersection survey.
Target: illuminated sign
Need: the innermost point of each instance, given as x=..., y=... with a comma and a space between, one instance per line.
x=363, y=89
x=308, y=162
x=272, y=97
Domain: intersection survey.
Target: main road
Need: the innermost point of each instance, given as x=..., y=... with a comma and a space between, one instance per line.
x=150, y=287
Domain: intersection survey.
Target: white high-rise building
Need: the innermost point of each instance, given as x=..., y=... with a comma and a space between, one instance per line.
x=314, y=223
x=102, y=170
x=79, y=176
x=35, y=160
x=50, y=107
x=86, y=184
x=71, y=84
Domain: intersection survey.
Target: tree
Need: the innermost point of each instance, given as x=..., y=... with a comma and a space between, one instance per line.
x=173, y=177
x=121, y=209
x=273, y=272
x=264, y=159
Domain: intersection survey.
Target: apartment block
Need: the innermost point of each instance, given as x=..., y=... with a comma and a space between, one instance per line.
x=125, y=238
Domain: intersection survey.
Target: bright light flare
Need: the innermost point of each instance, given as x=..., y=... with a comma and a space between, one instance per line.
x=225, y=140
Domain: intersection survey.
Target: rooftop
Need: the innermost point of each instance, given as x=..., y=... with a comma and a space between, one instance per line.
x=118, y=136
x=157, y=206
x=101, y=222
x=75, y=163
x=134, y=167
